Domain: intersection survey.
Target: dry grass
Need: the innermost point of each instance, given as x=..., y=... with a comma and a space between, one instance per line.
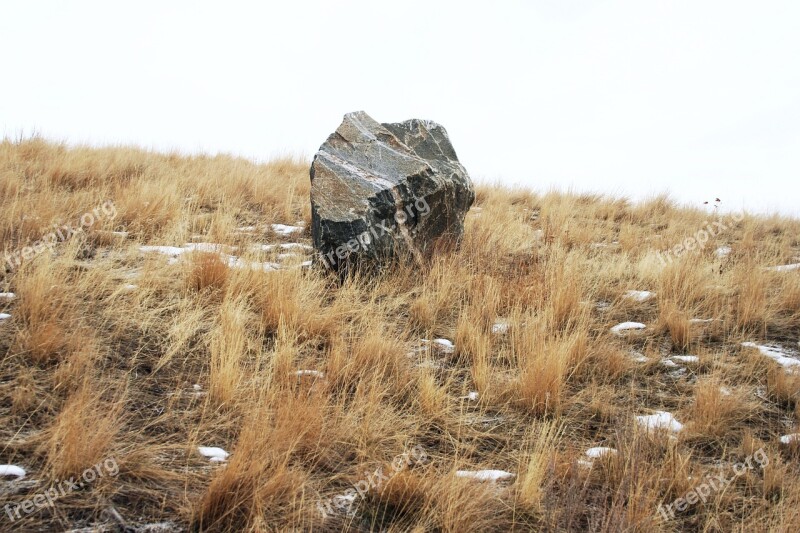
x=313, y=384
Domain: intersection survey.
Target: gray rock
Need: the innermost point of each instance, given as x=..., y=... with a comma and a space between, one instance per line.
x=386, y=191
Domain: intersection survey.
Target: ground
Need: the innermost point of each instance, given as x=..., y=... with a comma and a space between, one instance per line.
x=577, y=363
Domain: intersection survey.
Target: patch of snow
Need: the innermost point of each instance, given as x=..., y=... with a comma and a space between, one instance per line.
x=660, y=420
x=197, y=387
x=619, y=328
x=603, y=305
x=283, y=229
x=284, y=246
x=209, y=247
x=777, y=354
x=500, y=327
x=129, y=287
x=213, y=453
x=686, y=358
x=172, y=251
x=722, y=251
x=7, y=296
x=472, y=396
x=305, y=264
x=785, y=268
x=725, y=391
x=12, y=470
x=445, y=345
x=599, y=451
x=639, y=357
x=4, y=316
x=639, y=296
x=669, y=364
x=485, y=475
x=246, y=229
x=315, y=373
x=701, y=320
x=421, y=347
x=789, y=439
x=238, y=262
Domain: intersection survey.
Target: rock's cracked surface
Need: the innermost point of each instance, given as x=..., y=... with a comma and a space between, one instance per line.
x=386, y=191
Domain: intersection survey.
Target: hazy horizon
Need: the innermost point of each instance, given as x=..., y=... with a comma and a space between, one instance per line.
x=699, y=100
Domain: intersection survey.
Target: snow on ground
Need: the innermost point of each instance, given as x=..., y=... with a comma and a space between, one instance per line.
x=686, y=358
x=213, y=453
x=595, y=453
x=485, y=475
x=445, y=345
x=701, y=320
x=4, y=316
x=639, y=357
x=783, y=357
x=639, y=296
x=315, y=373
x=790, y=439
x=472, y=396
x=7, y=296
x=722, y=251
x=283, y=229
x=283, y=246
x=599, y=451
x=174, y=253
x=12, y=470
x=209, y=247
x=785, y=268
x=238, y=262
x=500, y=327
x=669, y=363
x=619, y=328
x=660, y=420
x=676, y=374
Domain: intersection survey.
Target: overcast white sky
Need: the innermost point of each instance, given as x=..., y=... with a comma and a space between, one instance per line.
x=698, y=98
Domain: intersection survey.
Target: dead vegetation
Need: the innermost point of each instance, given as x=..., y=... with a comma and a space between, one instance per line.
x=313, y=385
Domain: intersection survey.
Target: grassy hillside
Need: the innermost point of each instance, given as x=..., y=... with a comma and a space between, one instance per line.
x=123, y=360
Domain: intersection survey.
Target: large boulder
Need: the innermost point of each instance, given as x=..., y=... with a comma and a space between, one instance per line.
x=383, y=191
